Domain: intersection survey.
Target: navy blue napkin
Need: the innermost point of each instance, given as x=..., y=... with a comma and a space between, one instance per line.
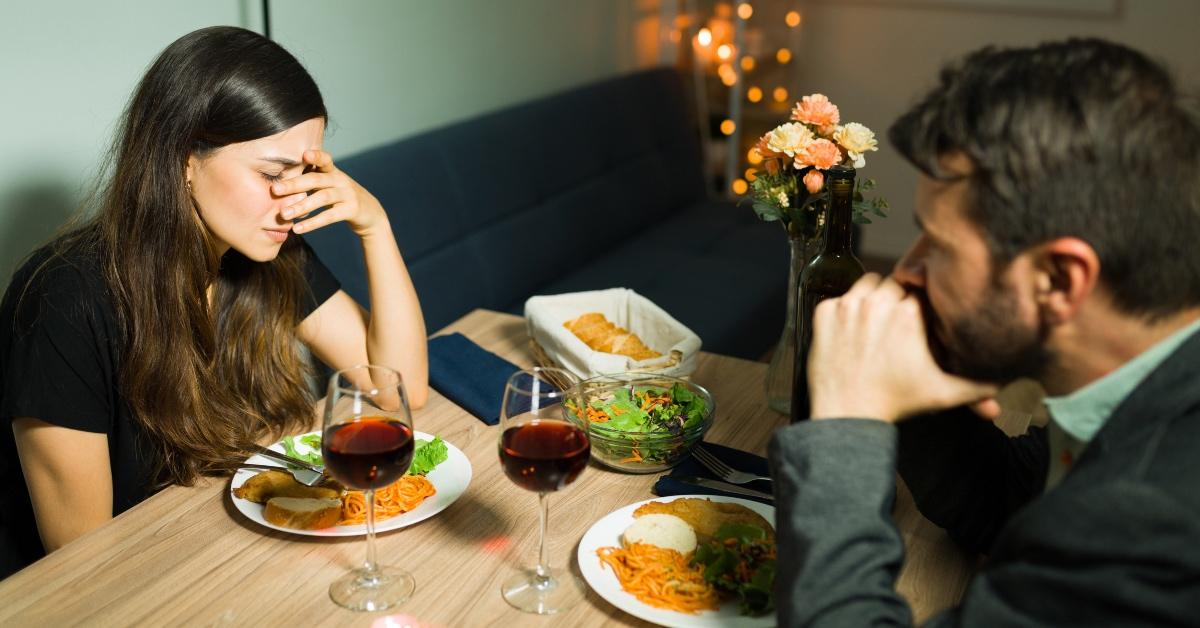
x=469, y=375
x=736, y=458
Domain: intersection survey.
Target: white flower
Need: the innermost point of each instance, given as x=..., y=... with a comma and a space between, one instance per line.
x=856, y=139
x=783, y=199
x=789, y=138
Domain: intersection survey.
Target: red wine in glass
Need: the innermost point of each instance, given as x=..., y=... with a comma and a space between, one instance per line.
x=544, y=456
x=369, y=453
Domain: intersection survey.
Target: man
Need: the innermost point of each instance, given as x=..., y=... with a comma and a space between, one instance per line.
x=1059, y=205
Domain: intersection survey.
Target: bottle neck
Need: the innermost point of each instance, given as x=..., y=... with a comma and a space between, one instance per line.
x=839, y=222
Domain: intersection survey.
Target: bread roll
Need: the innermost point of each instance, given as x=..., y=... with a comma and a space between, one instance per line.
x=601, y=335
x=304, y=513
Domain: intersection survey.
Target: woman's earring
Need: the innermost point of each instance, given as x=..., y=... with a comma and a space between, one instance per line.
x=189, y=187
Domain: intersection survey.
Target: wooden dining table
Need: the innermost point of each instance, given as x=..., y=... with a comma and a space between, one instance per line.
x=187, y=556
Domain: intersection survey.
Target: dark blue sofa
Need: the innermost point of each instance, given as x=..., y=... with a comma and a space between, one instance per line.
x=596, y=187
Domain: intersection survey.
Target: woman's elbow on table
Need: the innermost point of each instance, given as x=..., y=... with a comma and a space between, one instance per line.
x=69, y=479
x=418, y=397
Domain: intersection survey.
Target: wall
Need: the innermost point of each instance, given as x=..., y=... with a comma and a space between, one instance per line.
x=67, y=69
x=874, y=58
x=387, y=68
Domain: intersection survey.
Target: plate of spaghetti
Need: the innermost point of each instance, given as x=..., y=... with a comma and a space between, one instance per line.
x=411, y=499
x=656, y=584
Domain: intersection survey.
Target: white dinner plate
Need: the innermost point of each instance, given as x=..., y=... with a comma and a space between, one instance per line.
x=449, y=478
x=607, y=533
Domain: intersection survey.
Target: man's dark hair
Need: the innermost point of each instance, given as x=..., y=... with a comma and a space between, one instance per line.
x=1081, y=138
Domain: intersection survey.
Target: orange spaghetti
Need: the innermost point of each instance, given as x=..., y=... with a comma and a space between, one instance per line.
x=396, y=498
x=660, y=577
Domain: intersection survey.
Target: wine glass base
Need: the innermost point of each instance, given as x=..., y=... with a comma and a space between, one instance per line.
x=384, y=587
x=530, y=593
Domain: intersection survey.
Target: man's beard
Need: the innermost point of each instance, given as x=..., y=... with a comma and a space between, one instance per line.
x=988, y=345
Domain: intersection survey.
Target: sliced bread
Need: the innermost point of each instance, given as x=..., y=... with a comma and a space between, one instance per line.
x=304, y=513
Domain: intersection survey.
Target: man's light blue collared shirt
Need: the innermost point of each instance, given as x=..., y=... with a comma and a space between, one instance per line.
x=1075, y=418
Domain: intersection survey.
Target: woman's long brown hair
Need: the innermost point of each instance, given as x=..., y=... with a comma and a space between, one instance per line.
x=204, y=381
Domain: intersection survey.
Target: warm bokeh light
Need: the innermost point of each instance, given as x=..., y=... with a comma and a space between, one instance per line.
x=740, y=186
x=754, y=94
x=784, y=55
x=745, y=10
x=751, y=174
x=793, y=18
x=753, y=157
x=704, y=37
x=727, y=73
x=747, y=63
x=724, y=51
x=780, y=94
x=675, y=36
x=728, y=127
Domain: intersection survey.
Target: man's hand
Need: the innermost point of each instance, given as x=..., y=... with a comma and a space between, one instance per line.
x=870, y=358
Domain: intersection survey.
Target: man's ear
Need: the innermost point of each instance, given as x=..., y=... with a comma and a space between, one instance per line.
x=1067, y=273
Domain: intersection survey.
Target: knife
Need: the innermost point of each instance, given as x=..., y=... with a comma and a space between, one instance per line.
x=295, y=462
x=723, y=486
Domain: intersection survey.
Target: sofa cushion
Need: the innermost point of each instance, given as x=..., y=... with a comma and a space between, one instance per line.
x=714, y=267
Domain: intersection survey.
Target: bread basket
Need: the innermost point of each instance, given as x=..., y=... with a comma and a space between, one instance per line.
x=554, y=345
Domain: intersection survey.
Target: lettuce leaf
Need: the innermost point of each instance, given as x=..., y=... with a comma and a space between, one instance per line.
x=312, y=447
x=429, y=454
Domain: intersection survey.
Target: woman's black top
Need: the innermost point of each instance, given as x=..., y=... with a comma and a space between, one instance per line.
x=59, y=344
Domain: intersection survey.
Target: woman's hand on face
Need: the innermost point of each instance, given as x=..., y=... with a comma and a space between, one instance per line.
x=328, y=187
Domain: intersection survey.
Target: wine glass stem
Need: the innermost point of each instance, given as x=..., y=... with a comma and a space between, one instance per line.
x=543, y=570
x=369, y=566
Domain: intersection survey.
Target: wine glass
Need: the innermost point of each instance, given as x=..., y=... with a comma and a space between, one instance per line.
x=544, y=446
x=367, y=442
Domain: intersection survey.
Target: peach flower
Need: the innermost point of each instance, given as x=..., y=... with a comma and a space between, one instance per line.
x=820, y=153
x=789, y=138
x=817, y=111
x=813, y=181
x=856, y=139
x=764, y=149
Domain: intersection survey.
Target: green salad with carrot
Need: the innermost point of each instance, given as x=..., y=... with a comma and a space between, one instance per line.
x=643, y=420
x=427, y=455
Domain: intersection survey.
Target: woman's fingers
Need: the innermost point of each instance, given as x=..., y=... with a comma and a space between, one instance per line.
x=304, y=183
x=327, y=217
x=313, y=202
x=319, y=158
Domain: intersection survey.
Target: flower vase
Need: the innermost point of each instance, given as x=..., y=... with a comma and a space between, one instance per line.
x=778, y=383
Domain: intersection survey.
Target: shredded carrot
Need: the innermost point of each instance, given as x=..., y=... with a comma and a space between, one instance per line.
x=649, y=401
x=634, y=455
x=596, y=415
x=396, y=498
x=662, y=578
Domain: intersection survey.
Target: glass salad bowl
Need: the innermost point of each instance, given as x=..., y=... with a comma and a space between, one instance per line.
x=642, y=422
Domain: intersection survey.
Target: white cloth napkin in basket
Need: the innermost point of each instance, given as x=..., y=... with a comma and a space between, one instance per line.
x=545, y=316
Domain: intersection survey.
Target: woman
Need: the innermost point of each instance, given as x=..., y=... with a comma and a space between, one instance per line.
x=157, y=341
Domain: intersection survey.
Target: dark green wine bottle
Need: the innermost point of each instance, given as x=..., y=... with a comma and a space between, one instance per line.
x=829, y=274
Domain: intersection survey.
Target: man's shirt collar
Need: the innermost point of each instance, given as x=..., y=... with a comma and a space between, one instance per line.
x=1082, y=413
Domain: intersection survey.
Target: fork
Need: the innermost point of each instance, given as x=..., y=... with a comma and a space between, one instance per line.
x=722, y=470
x=304, y=476
x=305, y=473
